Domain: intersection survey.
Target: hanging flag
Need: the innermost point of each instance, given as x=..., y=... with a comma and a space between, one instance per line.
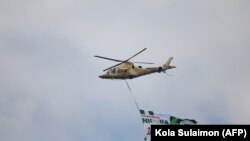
x=150, y=118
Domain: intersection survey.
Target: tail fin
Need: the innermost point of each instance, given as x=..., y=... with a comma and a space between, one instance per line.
x=167, y=66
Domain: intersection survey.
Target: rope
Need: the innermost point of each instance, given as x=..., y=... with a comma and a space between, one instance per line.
x=132, y=95
x=145, y=138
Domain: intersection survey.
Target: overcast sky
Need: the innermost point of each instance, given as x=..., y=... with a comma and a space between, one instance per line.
x=49, y=85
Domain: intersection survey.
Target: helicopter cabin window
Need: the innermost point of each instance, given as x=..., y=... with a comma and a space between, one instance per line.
x=121, y=70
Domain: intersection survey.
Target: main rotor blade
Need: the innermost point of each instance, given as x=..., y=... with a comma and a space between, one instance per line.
x=113, y=66
x=143, y=62
x=135, y=54
x=108, y=58
x=120, y=60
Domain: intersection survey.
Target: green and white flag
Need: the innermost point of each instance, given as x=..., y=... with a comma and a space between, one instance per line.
x=150, y=118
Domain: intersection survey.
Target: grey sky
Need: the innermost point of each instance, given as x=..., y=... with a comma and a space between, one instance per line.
x=49, y=87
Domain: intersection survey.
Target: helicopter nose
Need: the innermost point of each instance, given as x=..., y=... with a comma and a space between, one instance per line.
x=101, y=76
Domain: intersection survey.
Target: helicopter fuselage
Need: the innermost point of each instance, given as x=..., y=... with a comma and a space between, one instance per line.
x=127, y=70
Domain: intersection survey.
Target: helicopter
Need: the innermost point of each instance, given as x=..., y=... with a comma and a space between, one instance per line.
x=127, y=70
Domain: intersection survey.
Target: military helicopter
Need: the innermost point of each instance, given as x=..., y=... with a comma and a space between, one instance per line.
x=127, y=70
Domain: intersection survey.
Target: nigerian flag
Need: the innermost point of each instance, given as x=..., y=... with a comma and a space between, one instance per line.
x=151, y=118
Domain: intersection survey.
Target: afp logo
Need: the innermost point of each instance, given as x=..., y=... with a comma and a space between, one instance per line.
x=234, y=132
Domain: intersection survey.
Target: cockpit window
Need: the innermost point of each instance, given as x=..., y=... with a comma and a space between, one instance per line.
x=113, y=70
